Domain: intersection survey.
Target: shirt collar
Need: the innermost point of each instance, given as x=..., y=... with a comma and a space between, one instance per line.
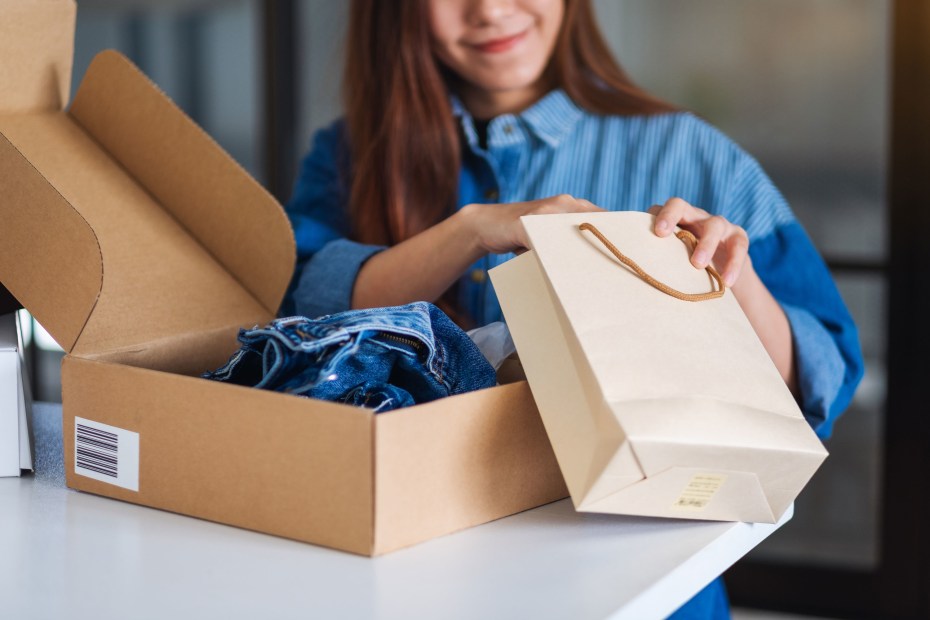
x=551, y=118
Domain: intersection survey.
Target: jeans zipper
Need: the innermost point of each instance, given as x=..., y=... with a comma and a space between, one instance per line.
x=416, y=344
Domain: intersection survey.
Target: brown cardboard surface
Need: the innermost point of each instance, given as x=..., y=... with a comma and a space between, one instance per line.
x=230, y=215
x=260, y=460
x=183, y=354
x=458, y=462
x=49, y=257
x=157, y=281
x=36, y=39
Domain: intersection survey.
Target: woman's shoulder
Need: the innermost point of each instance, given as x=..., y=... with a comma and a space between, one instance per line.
x=328, y=152
x=678, y=139
x=331, y=136
x=670, y=128
x=681, y=154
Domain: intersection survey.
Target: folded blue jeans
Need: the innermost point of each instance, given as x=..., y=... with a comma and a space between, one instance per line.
x=378, y=358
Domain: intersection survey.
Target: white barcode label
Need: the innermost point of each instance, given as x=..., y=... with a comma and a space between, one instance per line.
x=106, y=453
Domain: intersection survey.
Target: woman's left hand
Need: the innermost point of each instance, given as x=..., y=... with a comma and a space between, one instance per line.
x=720, y=242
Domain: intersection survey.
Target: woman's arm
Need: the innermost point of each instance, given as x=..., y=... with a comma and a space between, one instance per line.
x=420, y=268
x=424, y=266
x=334, y=273
x=769, y=321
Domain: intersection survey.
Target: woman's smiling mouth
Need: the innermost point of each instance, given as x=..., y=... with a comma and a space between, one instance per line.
x=496, y=46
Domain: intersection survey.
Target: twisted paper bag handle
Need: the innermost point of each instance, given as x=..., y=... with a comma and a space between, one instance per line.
x=689, y=240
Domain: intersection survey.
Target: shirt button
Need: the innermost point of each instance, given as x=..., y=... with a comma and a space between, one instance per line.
x=508, y=129
x=491, y=194
x=478, y=276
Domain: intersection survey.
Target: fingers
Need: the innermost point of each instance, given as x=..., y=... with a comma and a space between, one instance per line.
x=668, y=216
x=497, y=227
x=713, y=231
x=724, y=244
x=675, y=212
x=719, y=242
x=737, y=246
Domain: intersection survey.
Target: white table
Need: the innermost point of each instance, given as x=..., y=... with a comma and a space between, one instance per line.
x=65, y=554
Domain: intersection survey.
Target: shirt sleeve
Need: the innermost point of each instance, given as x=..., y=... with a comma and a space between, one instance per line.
x=828, y=357
x=327, y=261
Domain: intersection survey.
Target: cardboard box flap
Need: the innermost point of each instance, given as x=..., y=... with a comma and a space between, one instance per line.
x=36, y=42
x=161, y=279
x=158, y=281
x=233, y=217
x=49, y=258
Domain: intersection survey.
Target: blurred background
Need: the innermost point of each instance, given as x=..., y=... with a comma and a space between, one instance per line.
x=803, y=85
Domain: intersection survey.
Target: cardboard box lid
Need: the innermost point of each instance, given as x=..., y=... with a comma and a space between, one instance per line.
x=126, y=225
x=36, y=39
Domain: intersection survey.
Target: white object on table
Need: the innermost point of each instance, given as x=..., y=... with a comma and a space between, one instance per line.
x=15, y=451
x=73, y=555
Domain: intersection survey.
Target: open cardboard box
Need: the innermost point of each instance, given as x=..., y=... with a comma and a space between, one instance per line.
x=142, y=248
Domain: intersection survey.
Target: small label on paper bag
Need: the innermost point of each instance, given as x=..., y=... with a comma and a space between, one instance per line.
x=699, y=491
x=106, y=453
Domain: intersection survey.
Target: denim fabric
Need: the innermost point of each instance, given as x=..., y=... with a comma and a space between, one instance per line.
x=380, y=358
x=711, y=603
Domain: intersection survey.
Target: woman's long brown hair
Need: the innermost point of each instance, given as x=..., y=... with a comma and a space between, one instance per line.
x=402, y=137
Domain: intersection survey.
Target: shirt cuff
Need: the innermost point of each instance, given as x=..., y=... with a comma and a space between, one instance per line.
x=820, y=367
x=325, y=286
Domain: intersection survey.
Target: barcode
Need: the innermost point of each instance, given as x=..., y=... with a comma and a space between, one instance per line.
x=98, y=450
x=106, y=453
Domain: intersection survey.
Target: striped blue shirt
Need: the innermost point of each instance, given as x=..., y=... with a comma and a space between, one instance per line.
x=618, y=163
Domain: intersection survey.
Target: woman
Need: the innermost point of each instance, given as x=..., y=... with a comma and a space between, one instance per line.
x=463, y=115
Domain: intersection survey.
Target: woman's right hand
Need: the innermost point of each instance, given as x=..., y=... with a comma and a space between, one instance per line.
x=496, y=228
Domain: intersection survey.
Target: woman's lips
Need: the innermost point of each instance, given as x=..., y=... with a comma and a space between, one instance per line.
x=497, y=46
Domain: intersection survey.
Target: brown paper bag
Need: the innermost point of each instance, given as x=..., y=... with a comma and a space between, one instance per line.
x=654, y=405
